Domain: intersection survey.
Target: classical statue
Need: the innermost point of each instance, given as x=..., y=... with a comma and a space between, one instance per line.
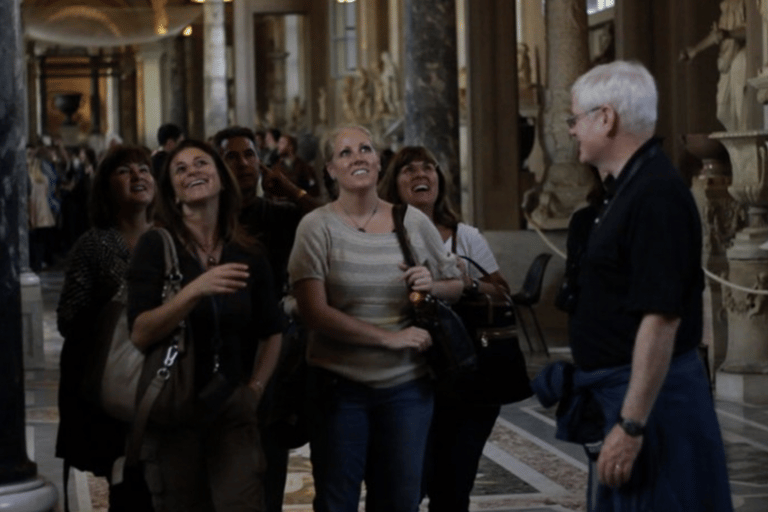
x=322, y=106
x=297, y=113
x=729, y=32
x=379, y=105
x=523, y=66
x=389, y=83
x=347, y=99
x=361, y=97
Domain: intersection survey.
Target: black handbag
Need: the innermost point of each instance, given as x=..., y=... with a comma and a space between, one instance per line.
x=501, y=376
x=453, y=352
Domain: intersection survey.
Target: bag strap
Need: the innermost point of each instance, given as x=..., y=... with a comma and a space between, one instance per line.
x=479, y=267
x=171, y=287
x=398, y=216
x=504, y=293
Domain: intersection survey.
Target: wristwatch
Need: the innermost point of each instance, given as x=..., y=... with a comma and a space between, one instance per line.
x=631, y=427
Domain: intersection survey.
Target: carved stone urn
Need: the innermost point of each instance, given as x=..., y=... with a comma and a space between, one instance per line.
x=744, y=374
x=720, y=216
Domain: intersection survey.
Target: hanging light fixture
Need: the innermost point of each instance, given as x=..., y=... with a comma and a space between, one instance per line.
x=187, y=31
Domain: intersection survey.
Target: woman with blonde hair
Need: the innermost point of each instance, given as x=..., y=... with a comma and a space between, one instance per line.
x=370, y=391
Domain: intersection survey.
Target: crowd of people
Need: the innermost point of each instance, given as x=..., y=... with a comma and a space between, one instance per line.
x=261, y=246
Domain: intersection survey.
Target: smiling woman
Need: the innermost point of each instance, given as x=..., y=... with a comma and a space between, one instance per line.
x=121, y=201
x=216, y=463
x=459, y=429
x=370, y=392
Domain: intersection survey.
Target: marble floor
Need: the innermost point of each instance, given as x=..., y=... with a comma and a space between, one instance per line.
x=524, y=468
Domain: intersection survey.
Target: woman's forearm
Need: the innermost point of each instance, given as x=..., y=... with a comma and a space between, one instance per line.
x=156, y=324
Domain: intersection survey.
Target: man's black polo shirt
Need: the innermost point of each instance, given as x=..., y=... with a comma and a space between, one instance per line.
x=643, y=256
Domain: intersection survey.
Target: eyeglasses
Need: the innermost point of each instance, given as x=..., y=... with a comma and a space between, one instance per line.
x=572, y=120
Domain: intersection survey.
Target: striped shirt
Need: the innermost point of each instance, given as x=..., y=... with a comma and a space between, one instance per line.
x=362, y=279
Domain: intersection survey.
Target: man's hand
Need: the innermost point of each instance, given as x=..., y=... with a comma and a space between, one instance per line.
x=617, y=457
x=277, y=184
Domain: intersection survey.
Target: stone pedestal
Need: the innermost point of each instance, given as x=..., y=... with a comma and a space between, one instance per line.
x=744, y=373
x=32, y=321
x=35, y=495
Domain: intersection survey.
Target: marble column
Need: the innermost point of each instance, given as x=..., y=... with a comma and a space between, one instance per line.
x=493, y=152
x=245, y=64
x=95, y=96
x=32, y=93
x=431, y=83
x=20, y=487
x=177, y=99
x=151, y=56
x=43, y=98
x=565, y=181
x=744, y=373
x=215, y=98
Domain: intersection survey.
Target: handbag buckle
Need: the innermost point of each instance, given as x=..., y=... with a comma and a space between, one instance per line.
x=170, y=356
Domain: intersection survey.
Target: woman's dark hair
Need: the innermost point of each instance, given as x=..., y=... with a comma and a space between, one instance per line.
x=102, y=207
x=230, y=199
x=443, y=213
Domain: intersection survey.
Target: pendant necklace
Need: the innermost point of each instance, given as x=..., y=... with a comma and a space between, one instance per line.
x=365, y=224
x=210, y=260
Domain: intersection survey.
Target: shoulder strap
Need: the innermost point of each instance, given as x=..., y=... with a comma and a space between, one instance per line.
x=170, y=288
x=398, y=216
x=485, y=273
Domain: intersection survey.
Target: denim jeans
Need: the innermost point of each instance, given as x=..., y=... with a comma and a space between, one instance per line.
x=361, y=433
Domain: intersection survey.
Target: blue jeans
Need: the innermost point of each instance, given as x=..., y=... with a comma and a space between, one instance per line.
x=361, y=433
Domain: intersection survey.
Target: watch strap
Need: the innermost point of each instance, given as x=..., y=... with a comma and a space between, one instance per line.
x=631, y=427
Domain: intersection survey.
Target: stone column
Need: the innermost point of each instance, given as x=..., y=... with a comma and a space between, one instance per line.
x=215, y=99
x=492, y=113
x=177, y=97
x=20, y=487
x=744, y=374
x=431, y=83
x=32, y=93
x=245, y=64
x=95, y=62
x=150, y=56
x=43, y=97
x=565, y=182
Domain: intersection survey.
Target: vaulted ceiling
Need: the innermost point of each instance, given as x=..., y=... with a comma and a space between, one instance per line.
x=105, y=23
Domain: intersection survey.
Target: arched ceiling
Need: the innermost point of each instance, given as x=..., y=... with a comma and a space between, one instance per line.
x=104, y=23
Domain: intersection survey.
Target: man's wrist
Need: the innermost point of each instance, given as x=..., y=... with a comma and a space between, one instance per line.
x=632, y=428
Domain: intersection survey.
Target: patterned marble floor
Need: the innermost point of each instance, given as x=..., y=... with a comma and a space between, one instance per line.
x=524, y=467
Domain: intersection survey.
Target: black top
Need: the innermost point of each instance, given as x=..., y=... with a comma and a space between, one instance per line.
x=87, y=438
x=274, y=225
x=245, y=316
x=643, y=256
x=158, y=161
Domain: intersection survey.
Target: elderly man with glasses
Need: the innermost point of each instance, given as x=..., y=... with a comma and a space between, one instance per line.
x=636, y=320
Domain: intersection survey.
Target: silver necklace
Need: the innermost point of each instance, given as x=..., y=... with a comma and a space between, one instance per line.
x=210, y=260
x=365, y=224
